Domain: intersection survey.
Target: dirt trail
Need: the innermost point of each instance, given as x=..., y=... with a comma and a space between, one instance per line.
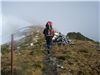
x=50, y=65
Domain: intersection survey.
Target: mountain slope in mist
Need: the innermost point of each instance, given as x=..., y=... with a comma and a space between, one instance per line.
x=82, y=58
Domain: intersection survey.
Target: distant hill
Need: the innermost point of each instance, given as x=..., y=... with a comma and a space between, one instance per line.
x=78, y=36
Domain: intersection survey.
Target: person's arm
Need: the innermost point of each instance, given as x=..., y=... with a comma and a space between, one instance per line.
x=53, y=32
x=44, y=31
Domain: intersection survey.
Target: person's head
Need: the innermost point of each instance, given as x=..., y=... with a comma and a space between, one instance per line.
x=49, y=25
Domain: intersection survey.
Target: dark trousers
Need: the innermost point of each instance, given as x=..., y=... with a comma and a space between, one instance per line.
x=49, y=42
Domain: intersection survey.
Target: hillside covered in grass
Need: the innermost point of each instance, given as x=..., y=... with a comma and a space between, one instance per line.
x=78, y=36
x=82, y=58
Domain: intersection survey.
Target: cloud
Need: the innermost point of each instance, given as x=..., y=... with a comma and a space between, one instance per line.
x=10, y=24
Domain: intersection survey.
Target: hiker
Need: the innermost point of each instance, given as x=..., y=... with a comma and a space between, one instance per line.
x=48, y=33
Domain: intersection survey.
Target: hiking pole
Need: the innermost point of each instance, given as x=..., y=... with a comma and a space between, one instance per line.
x=12, y=47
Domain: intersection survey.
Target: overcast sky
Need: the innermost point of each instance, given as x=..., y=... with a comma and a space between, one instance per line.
x=66, y=17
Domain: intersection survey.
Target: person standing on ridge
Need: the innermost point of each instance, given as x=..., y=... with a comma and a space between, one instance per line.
x=48, y=33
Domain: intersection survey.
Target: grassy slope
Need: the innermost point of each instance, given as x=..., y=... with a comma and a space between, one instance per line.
x=79, y=59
